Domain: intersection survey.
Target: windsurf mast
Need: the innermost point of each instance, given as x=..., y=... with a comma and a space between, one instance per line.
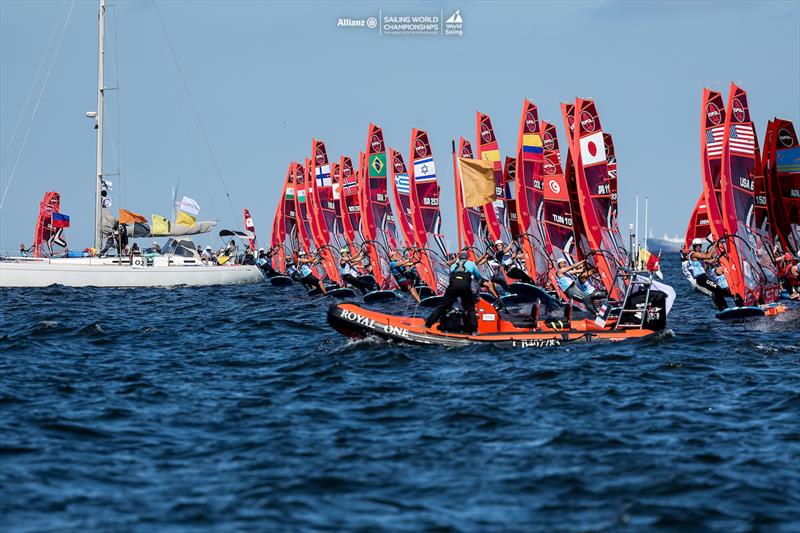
x=98, y=201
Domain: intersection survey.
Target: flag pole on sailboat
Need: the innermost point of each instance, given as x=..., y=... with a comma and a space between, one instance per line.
x=98, y=213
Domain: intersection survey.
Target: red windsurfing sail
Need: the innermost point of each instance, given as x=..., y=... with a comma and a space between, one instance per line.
x=284, y=226
x=781, y=165
x=558, y=217
x=699, y=226
x=611, y=162
x=749, y=267
x=510, y=179
x=712, y=129
x=472, y=229
x=495, y=213
x=377, y=220
x=594, y=193
x=301, y=207
x=426, y=217
x=319, y=189
x=398, y=176
x=584, y=249
x=530, y=193
x=50, y=225
x=351, y=209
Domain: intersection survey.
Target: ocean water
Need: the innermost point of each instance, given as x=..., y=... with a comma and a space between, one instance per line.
x=238, y=409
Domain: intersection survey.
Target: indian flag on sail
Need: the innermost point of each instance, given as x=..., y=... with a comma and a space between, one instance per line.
x=301, y=196
x=290, y=193
x=424, y=170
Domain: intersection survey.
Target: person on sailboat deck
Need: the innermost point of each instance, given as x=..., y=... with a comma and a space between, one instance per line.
x=155, y=249
x=349, y=271
x=566, y=279
x=230, y=251
x=697, y=266
x=208, y=256
x=307, y=277
x=135, y=249
x=402, y=275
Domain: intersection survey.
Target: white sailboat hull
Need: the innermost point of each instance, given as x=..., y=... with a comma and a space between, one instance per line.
x=88, y=272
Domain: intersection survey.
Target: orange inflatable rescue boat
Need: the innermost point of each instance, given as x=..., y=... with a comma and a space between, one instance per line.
x=641, y=315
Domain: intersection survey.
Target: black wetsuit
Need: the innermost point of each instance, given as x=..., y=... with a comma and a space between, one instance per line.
x=460, y=287
x=718, y=294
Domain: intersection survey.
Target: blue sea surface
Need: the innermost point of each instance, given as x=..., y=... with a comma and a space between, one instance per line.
x=238, y=408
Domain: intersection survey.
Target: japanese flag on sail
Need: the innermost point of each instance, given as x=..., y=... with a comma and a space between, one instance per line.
x=593, y=149
x=189, y=206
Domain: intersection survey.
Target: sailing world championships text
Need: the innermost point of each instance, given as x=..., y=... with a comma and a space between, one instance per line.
x=411, y=24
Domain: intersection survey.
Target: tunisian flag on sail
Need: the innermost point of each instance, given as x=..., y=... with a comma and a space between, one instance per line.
x=593, y=149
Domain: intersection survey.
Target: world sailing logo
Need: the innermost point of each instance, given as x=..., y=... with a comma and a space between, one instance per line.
x=785, y=137
x=713, y=113
x=455, y=24
x=738, y=110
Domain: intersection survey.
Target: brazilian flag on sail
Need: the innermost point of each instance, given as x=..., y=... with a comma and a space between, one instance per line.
x=377, y=165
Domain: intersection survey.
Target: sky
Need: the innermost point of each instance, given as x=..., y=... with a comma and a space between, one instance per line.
x=267, y=77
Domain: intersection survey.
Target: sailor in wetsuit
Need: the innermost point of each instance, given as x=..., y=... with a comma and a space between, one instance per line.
x=264, y=264
x=307, y=277
x=462, y=274
x=697, y=261
x=349, y=271
x=567, y=282
x=790, y=272
x=401, y=271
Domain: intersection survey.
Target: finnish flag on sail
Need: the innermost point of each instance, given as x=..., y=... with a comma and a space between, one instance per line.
x=401, y=180
x=323, y=176
x=424, y=170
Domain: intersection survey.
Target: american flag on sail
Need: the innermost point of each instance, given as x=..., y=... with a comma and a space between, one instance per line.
x=401, y=180
x=714, y=140
x=742, y=140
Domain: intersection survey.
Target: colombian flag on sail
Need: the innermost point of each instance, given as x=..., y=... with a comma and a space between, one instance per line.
x=532, y=148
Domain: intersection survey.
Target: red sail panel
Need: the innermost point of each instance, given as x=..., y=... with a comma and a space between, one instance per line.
x=336, y=192
x=510, y=179
x=284, y=226
x=558, y=218
x=699, y=226
x=749, y=266
x=301, y=207
x=781, y=164
x=594, y=192
x=472, y=225
x=611, y=162
x=377, y=220
x=582, y=245
x=46, y=234
x=426, y=217
x=350, y=207
x=530, y=193
x=398, y=176
x=712, y=128
x=319, y=188
x=495, y=213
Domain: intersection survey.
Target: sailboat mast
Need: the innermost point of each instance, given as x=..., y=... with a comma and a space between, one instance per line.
x=98, y=211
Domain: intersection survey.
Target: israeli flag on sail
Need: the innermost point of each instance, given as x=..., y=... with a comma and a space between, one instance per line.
x=424, y=170
x=401, y=181
x=323, y=175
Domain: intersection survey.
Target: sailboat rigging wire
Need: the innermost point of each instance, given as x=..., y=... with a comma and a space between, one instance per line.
x=36, y=107
x=196, y=116
x=33, y=84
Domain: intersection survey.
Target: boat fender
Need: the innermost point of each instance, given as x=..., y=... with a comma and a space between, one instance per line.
x=554, y=323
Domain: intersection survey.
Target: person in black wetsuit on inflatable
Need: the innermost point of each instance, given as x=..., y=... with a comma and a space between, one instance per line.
x=462, y=273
